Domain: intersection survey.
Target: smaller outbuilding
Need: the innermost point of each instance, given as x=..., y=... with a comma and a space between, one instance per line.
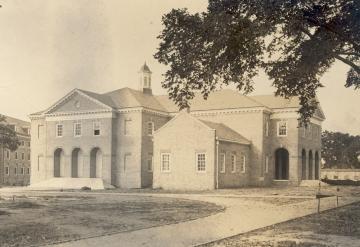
x=193, y=154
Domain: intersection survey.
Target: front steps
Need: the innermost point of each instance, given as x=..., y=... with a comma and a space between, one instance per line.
x=70, y=183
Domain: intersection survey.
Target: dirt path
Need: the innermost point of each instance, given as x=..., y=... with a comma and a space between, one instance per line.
x=239, y=217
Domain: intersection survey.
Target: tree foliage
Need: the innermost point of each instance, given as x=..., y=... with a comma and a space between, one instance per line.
x=8, y=137
x=293, y=41
x=340, y=150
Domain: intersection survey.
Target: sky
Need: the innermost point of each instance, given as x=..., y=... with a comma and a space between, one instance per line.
x=48, y=48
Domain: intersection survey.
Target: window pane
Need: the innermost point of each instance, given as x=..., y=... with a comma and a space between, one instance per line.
x=201, y=162
x=165, y=162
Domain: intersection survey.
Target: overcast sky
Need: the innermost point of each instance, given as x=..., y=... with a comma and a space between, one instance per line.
x=47, y=48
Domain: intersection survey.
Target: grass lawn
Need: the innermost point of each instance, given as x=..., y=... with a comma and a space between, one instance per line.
x=39, y=220
x=336, y=227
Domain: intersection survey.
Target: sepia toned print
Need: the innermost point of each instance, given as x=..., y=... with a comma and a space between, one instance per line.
x=179, y=123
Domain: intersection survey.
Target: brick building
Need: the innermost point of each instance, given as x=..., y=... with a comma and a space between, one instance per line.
x=15, y=166
x=110, y=137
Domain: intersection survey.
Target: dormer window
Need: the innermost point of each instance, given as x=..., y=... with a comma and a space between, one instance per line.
x=282, y=128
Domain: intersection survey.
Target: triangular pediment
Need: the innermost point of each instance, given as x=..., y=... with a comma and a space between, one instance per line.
x=77, y=101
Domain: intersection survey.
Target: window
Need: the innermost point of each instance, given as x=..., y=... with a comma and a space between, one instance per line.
x=77, y=129
x=201, y=162
x=40, y=130
x=233, y=163
x=267, y=128
x=222, y=162
x=28, y=144
x=15, y=171
x=7, y=154
x=28, y=156
x=97, y=128
x=22, y=143
x=16, y=155
x=150, y=163
x=22, y=156
x=150, y=128
x=282, y=128
x=127, y=126
x=127, y=158
x=22, y=170
x=59, y=130
x=165, y=162
x=266, y=164
x=243, y=163
x=28, y=170
x=7, y=170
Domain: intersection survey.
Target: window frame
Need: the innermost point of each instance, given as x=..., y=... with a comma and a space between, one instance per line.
x=197, y=154
x=222, y=165
x=7, y=171
x=266, y=164
x=151, y=167
x=57, y=130
x=152, y=128
x=243, y=164
x=96, y=126
x=75, y=129
x=233, y=163
x=162, y=162
x=278, y=128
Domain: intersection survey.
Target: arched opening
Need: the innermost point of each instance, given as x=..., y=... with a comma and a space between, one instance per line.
x=76, y=163
x=95, y=163
x=282, y=164
x=59, y=163
x=317, y=168
x=310, y=165
x=303, y=164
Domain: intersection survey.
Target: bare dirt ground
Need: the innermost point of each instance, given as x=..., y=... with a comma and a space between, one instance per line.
x=336, y=227
x=38, y=220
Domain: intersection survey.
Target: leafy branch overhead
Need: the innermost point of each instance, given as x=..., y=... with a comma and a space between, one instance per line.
x=295, y=42
x=8, y=137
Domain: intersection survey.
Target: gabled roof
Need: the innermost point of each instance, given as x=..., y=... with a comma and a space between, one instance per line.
x=275, y=102
x=225, y=133
x=223, y=99
x=127, y=97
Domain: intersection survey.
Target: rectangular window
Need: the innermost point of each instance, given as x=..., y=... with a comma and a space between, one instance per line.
x=16, y=155
x=243, y=163
x=150, y=128
x=22, y=170
x=6, y=170
x=201, y=162
x=233, y=163
x=8, y=154
x=97, y=127
x=127, y=160
x=28, y=170
x=267, y=128
x=266, y=164
x=59, y=130
x=77, y=129
x=150, y=163
x=15, y=170
x=222, y=162
x=22, y=156
x=28, y=156
x=22, y=143
x=28, y=144
x=282, y=128
x=127, y=124
x=165, y=162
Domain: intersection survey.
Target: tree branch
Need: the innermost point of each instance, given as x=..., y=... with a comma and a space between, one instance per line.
x=348, y=62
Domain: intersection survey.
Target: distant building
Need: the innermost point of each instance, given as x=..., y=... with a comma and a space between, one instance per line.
x=341, y=174
x=15, y=165
x=229, y=140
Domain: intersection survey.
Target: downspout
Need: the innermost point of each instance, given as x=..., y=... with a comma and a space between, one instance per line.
x=217, y=163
